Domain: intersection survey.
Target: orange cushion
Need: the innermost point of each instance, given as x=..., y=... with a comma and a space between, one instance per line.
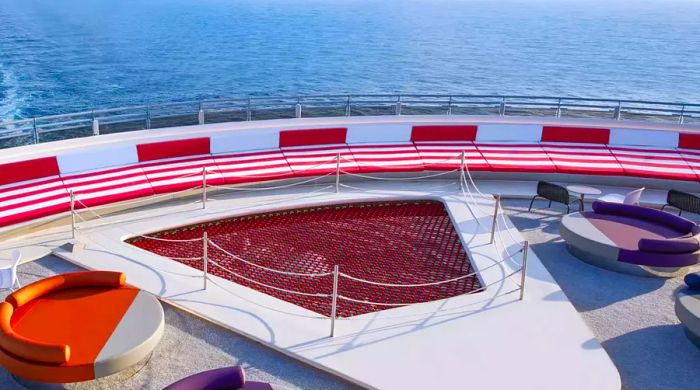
x=26, y=348
x=65, y=281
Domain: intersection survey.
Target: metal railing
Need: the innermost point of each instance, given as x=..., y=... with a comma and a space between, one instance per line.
x=150, y=116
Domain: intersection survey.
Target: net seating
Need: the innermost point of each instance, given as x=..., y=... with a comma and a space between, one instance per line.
x=31, y=189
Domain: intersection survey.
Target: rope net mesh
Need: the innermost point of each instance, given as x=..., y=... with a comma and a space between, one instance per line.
x=406, y=242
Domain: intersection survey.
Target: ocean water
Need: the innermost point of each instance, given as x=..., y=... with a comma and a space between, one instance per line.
x=71, y=55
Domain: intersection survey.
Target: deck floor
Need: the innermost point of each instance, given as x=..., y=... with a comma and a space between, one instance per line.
x=632, y=316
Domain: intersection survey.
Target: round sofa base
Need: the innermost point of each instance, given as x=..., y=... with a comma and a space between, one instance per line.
x=626, y=268
x=115, y=380
x=687, y=308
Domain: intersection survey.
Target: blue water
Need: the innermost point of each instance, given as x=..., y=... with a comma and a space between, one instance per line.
x=62, y=56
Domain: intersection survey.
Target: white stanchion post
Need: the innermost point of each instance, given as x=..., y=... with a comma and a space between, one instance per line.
x=95, y=127
x=337, y=173
x=204, y=188
x=200, y=116
x=523, y=269
x=205, y=257
x=334, y=303
x=72, y=213
x=462, y=178
x=494, y=223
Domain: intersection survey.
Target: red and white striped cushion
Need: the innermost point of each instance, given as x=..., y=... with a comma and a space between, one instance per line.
x=446, y=156
x=516, y=157
x=692, y=158
x=179, y=174
x=580, y=158
x=387, y=157
x=249, y=167
x=656, y=163
x=104, y=186
x=319, y=160
x=32, y=199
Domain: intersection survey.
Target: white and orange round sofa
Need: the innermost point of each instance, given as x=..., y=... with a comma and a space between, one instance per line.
x=77, y=327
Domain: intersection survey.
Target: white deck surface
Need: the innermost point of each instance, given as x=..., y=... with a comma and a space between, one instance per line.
x=488, y=339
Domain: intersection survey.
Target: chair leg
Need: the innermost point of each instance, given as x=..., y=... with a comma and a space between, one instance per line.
x=531, y=202
x=550, y=204
x=664, y=206
x=680, y=212
x=568, y=209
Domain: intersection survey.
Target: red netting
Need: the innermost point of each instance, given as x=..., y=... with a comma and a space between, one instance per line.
x=390, y=242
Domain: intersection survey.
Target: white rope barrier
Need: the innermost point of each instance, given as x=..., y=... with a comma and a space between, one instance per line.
x=310, y=275
x=317, y=178
x=399, y=178
x=318, y=295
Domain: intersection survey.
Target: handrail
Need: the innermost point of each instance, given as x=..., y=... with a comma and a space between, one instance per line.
x=180, y=113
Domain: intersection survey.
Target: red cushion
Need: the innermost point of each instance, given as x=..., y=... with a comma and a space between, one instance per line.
x=108, y=186
x=444, y=133
x=689, y=141
x=655, y=163
x=445, y=156
x=16, y=172
x=170, y=149
x=320, y=160
x=576, y=158
x=394, y=157
x=513, y=157
x=312, y=137
x=575, y=134
x=250, y=167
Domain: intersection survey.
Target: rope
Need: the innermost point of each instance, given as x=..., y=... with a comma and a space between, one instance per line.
x=399, y=178
x=313, y=275
x=271, y=188
x=413, y=303
x=318, y=295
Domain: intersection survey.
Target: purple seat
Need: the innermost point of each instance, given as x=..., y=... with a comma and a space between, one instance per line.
x=680, y=251
x=227, y=378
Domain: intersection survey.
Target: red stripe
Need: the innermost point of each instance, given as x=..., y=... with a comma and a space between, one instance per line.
x=689, y=141
x=20, y=171
x=444, y=133
x=575, y=134
x=312, y=137
x=171, y=149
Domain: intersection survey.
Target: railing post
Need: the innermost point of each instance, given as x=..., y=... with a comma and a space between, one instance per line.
x=494, y=223
x=347, y=107
x=462, y=179
x=205, y=257
x=248, y=114
x=502, y=107
x=204, y=188
x=200, y=115
x=617, y=112
x=148, y=116
x=72, y=213
x=36, y=131
x=449, y=106
x=337, y=173
x=334, y=297
x=95, y=126
x=523, y=269
x=681, y=118
x=297, y=108
x=559, y=108
x=398, y=105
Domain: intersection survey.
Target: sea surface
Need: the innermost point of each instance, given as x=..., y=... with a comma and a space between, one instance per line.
x=71, y=55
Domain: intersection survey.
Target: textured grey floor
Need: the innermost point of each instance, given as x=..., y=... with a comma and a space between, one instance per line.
x=191, y=345
x=632, y=316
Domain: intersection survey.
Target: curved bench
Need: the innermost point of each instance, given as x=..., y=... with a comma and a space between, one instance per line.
x=77, y=326
x=39, y=188
x=632, y=239
x=218, y=379
x=687, y=307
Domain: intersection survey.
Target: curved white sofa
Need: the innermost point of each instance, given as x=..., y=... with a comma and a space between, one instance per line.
x=36, y=180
